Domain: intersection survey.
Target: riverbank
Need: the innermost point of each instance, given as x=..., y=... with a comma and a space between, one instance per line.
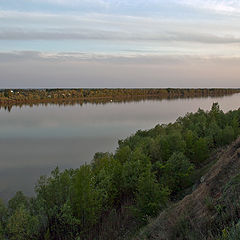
x=19, y=97
x=115, y=194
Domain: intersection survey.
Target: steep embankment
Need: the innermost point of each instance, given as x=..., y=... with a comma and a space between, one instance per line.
x=209, y=210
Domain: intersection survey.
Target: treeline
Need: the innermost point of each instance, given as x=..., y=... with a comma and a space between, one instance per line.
x=117, y=193
x=16, y=96
x=80, y=102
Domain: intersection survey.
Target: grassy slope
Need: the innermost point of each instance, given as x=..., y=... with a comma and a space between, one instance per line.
x=210, y=210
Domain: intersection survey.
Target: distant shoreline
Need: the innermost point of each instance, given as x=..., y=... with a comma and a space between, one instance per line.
x=19, y=97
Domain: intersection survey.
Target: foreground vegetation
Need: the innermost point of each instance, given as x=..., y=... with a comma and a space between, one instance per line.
x=211, y=211
x=117, y=193
x=9, y=97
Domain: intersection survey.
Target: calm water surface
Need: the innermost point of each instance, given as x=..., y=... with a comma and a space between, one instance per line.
x=34, y=140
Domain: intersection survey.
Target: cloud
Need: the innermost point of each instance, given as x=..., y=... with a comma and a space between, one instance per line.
x=230, y=7
x=101, y=3
x=109, y=34
x=109, y=4
x=45, y=26
x=120, y=35
x=127, y=58
x=84, y=57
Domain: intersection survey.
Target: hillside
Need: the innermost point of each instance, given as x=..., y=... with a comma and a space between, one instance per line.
x=210, y=211
x=150, y=171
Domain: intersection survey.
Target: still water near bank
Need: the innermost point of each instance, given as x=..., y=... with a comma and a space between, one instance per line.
x=34, y=140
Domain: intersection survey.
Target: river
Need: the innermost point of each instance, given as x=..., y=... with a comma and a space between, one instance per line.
x=34, y=140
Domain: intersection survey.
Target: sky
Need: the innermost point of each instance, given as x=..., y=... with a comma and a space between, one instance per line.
x=119, y=43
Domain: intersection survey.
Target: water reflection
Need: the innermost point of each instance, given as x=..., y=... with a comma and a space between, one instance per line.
x=36, y=139
x=101, y=101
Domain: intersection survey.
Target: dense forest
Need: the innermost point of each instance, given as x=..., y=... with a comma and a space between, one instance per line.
x=116, y=194
x=9, y=97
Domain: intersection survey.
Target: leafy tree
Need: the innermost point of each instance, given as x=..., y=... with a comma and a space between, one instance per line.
x=66, y=224
x=201, y=150
x=123, y=153
x=235, y=123
x=214, y=134
x=52, y=194
x=190, y=139
x=86, y=200
x=108, y=175
x=18, y=200
x=215, y=110
x=228, y=135
x=22, y=225
x=150, y=196
x=2, y=231
x=132, y=170
x=54, y=190
x=165, y=145
x=176, y=172
x=3, y=219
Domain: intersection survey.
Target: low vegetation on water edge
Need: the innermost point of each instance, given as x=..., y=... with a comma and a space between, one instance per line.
x=9, y=97
x=117, y=193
